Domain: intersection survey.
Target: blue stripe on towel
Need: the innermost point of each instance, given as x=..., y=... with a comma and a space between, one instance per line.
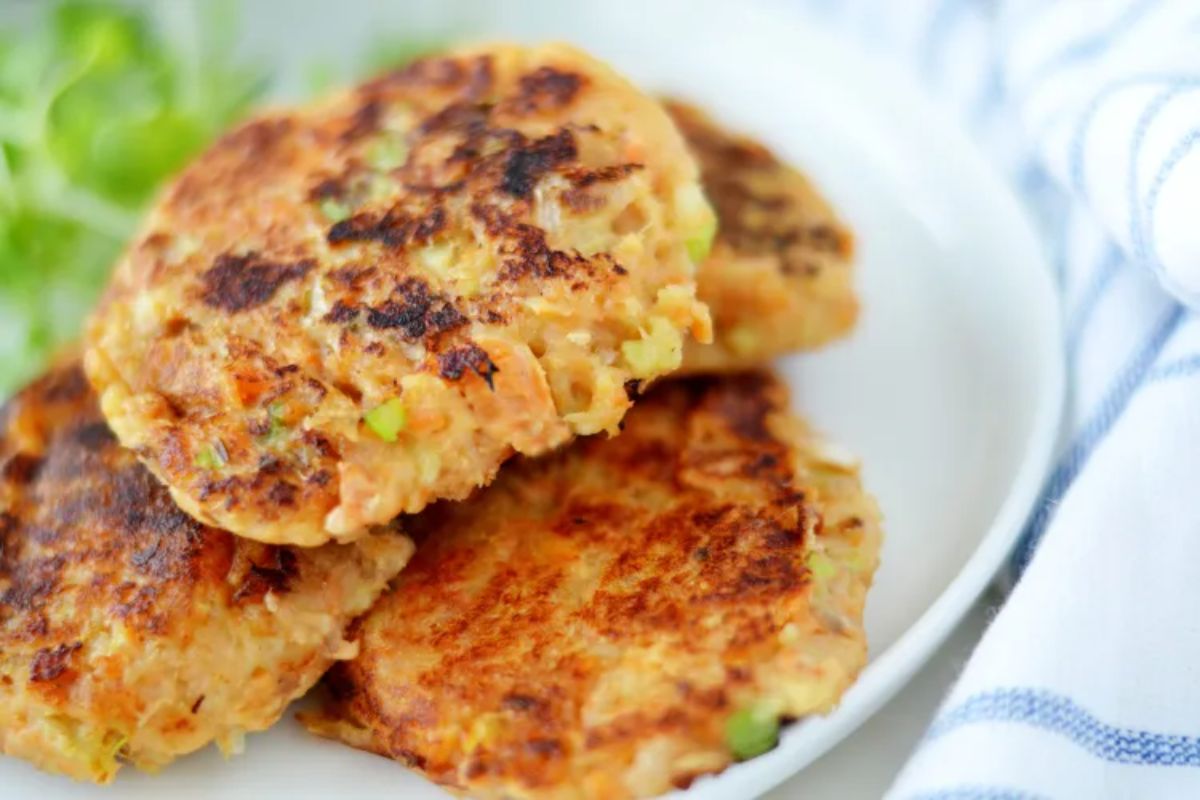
x=1149, y=114
x=1098, y=283
x=1080, y=450
x=1094, y=44
x=976, y=792
x=1147, y=254
x=941, y=23
x=1083, y=127
x=1061, y=715
x=1179, y=368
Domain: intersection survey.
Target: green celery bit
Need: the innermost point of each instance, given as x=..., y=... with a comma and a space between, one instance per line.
x=276, y=425
x=700, y=245
x=387, y=419
x=388, y=153
x=334, y=210
x=820, y=566
x=751, y=732
x=209, y=458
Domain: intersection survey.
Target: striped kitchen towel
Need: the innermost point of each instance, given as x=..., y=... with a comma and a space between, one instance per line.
x=1087, y=684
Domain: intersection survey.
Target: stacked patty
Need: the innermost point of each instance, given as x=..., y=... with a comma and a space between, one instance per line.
x=779, y=277
x=599, y=623
x=346, y=311
x=129, y=631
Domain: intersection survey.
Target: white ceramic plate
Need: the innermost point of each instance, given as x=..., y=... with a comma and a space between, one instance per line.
x=950, y=390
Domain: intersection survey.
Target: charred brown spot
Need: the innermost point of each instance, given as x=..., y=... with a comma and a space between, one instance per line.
x=519, y=702
x=196, y=705
x=341, y=313
x=415, y=311
x=442, y=73
x=282, y=494
x=546, y=88
x=430, y=225
x=495, y=220
x=328, y=189
x=95, y=437
x=8, y=524
x=633, y=388
x=456, y=362
x=364, y=121
x=465, y=118
x=51, y=664
x=526, y=165
x=276, y=571
x=743, y=405
x=320, y=443
x=21, y=468
x=394, y=228
x=240, y=282
x=546, y=748
x=66, y=386
x=528, y=254
x=579, y=198
x=352, y=278
x=583, y=178
x=758, y=199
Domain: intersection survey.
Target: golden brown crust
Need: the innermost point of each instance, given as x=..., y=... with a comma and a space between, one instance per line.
x=404, y=239
x=779, y=277
x=128, y=628
x=585, y=626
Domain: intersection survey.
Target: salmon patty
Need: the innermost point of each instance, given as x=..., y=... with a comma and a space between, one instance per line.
x=346, y=311
x=780, y=274
x=619, y=618
x=129, y=633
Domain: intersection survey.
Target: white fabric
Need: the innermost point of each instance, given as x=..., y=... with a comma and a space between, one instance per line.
x=1087, y=684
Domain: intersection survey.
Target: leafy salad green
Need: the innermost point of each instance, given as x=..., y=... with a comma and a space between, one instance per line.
x=99, y=103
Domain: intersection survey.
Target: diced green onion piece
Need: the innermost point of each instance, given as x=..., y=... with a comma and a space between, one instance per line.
x=820, y=566
x=696, y=215
x=657, y=352
x=334, y=210
x=388, y=153
x=751, y=732
x=275, y=421
x=700, y=245
x=209, y=458
x=387, y=420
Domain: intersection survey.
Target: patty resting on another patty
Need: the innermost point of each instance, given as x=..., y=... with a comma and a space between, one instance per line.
x=346, y=311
